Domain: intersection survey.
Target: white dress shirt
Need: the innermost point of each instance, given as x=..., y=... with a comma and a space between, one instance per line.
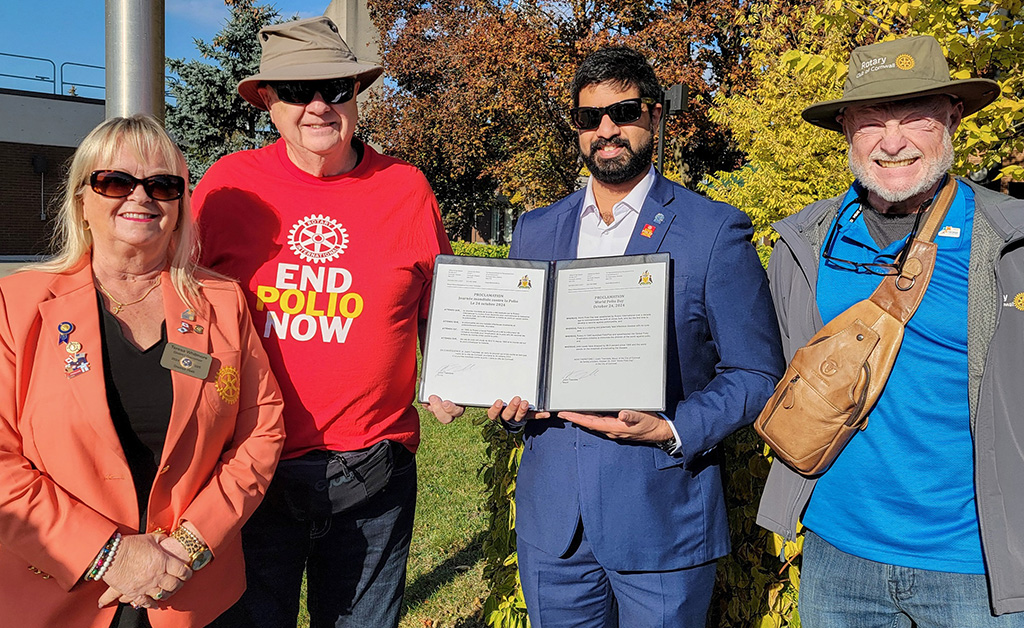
x=600, y=240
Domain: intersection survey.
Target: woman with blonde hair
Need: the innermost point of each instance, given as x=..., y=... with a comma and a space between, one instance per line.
x=139, y=422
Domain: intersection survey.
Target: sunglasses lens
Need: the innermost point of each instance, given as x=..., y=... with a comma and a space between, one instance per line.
x=586, y=118
x=337, y=91
x=112, y=183
x=333, y=91
x=294, y=92
x=589, y=118
x=625, y=112
x=164, y=187
x=117, y=184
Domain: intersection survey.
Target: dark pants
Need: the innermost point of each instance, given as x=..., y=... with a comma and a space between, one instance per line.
x=354, y=561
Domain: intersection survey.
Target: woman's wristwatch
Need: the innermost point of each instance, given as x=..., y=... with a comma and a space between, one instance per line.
x=199, y=554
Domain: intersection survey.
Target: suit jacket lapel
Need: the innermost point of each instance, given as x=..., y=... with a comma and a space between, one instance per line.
x=186, y=387
x=75, y=302
x=654, y=220
x=567, y=229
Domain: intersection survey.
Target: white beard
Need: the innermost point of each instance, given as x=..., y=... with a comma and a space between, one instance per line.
x=934, y=170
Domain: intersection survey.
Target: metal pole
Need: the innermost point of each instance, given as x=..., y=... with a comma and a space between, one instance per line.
x=661, y=135
x=135, y=57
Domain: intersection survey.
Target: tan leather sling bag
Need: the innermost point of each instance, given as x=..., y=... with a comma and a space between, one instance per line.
x=833, y=382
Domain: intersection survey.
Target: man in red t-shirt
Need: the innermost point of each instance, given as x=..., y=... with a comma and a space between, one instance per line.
x=335, y=245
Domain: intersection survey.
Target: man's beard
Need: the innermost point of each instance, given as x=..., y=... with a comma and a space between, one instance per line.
x=623, y=168
x=934, y=170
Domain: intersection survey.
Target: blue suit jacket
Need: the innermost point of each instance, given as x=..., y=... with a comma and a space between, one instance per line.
x=642, y=509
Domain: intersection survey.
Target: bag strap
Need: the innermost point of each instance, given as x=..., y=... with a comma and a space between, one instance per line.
x=899, y=295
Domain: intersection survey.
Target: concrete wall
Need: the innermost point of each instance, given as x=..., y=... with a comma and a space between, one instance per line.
x=353, y=20
x=36, y=126
x=46, y=119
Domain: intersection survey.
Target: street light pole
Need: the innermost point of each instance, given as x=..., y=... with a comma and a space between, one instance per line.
x=673, y=101
x=135, y=57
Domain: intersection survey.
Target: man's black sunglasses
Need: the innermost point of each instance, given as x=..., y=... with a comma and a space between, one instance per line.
x=117, y=184
x=874, y=268
x=333, y=91
x=622, y=112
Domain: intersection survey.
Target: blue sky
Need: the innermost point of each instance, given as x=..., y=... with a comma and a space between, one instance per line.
x=72, y=31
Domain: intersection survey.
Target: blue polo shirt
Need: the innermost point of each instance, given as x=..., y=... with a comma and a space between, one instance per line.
x=902, y=492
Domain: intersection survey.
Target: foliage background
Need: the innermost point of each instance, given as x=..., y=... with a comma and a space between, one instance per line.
x=476, y=97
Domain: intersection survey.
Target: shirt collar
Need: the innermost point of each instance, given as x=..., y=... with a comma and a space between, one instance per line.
x=634, y=201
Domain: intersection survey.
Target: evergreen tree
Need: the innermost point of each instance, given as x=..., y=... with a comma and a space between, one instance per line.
x=210, y=119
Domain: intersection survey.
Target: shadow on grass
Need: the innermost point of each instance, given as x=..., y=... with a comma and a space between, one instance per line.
x=426, y=585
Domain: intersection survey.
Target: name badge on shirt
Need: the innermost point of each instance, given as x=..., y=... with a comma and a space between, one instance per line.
x=184, y=360
x=949, y=232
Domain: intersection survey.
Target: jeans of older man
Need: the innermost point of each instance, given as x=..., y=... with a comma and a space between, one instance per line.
x=839, y=590
x=355, y=561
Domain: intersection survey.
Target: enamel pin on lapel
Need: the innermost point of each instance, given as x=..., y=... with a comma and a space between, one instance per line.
x=659, y=218
x=76, y=363
x=648, y=231
x=188, y=318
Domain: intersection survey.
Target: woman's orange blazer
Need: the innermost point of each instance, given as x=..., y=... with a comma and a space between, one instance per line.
x=65, y=486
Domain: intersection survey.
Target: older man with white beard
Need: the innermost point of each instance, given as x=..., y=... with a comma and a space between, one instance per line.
x=920, y=520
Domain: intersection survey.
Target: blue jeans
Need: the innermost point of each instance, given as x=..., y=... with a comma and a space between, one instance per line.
x=839, y=590
x=354, y=561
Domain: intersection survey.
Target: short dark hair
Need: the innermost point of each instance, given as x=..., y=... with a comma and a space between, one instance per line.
x=620, y=65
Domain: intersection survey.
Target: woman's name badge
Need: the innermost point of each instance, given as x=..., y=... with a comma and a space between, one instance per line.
x=185, y=360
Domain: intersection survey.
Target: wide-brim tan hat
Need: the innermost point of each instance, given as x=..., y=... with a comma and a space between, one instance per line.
x=901, y=69
x=310, y=49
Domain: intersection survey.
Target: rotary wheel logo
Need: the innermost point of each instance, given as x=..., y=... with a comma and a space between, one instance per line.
x=318, y=239
x=227, y=384
x=1018, y=301
x=905, y=62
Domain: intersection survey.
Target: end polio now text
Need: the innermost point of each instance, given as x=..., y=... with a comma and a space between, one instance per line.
x=313, y=301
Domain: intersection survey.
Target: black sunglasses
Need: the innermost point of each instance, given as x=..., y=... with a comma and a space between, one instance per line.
x=333, y=91
x=622, y=112
x=874, y=268
x=117, y=184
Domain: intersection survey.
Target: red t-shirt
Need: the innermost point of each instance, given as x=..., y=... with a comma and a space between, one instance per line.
x=337, y=272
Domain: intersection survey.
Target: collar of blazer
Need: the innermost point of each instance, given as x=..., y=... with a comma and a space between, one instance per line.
x=659, y=199
x=74, y=300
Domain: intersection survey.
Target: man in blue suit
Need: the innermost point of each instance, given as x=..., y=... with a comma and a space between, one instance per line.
x=620, y=518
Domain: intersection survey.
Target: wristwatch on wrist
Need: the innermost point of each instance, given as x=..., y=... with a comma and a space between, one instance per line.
x=199, y=555
x=668, y=446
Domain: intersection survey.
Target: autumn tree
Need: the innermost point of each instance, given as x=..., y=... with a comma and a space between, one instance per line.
x=480, y=91
x=791, y=163
x=209, y=119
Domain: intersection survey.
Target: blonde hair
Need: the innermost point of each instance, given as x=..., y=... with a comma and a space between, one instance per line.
x=72, y=240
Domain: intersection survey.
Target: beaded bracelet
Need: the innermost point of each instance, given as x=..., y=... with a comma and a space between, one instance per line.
x=103, y=560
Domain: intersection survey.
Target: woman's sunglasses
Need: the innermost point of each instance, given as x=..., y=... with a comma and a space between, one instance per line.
x=117, y=184
x=622, y=112
x=333, y=91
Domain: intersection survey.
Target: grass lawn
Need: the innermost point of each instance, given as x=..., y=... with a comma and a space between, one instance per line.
x=445, y=587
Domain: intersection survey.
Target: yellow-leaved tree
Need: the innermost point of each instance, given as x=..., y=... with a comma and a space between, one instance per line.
x=801, y=54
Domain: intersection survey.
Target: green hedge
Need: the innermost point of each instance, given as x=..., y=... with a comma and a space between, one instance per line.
x=753, y=589
x=476, y=249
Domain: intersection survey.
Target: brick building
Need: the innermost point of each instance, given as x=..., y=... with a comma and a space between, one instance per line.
x=38, y=134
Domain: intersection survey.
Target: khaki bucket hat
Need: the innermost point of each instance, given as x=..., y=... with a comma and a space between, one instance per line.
x=899, y=70
x=310, y=49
